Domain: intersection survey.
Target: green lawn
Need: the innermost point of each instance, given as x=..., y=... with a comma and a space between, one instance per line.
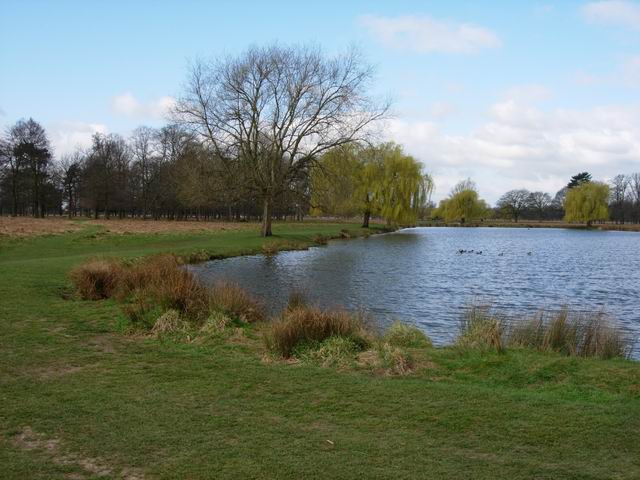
x=145, y=408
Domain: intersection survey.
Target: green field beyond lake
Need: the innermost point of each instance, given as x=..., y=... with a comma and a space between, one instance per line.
x=81, y=396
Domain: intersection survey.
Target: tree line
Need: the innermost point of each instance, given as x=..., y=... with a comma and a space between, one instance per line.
x=275, y=132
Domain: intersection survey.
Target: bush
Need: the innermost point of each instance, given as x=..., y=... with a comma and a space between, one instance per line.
x=403, y=335
x=310, y=325
x=97, y=279
x=234, y=301
x=481, y=329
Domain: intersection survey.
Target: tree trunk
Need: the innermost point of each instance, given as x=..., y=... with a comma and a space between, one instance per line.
x=367, y=217
x=266, y=216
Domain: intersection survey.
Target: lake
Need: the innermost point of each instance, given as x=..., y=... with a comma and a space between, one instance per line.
x=419, y=275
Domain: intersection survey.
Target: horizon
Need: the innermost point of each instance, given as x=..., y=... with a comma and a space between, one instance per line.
x=518, y=97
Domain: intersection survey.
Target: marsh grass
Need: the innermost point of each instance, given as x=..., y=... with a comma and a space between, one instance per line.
x=97, y=278
x=581, y=334
x=306, y=325
x=402, y=335
x=230, y=298
x=481, y=328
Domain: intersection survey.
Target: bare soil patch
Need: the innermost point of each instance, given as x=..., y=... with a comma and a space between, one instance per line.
x=166, y=226
x=28, y=439
x=28, y=226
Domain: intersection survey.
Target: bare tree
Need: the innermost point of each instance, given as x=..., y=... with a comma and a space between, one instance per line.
x=514, y=202
x=634, y=184
x=70, y=172
x=272, y=111
x=539, y=202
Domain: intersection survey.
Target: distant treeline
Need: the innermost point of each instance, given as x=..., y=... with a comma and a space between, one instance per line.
x=160, y=173
x=169, y=173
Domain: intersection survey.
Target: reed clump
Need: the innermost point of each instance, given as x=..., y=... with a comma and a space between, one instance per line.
x=305, y=325
x=481, y=328
x=97, y=278
x=580, y=334
x=402, y=335
x=230, y=298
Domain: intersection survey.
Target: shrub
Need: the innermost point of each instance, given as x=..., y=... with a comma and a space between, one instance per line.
x=309, y=325
x=234, y=301
x=481, y=328
x=403, y=335
x=97, y=279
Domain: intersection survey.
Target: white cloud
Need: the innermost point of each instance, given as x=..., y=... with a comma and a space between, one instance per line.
x=67, y=136
x=127, y=104
x=613, y=12
x=424, y=34
x=522, y=146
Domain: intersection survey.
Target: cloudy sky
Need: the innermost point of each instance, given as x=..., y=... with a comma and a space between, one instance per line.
x=512, y=94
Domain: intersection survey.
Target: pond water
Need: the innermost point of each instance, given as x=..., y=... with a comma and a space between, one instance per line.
x=419, y=275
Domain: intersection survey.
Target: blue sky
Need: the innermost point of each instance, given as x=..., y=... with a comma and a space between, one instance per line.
x=511, y=94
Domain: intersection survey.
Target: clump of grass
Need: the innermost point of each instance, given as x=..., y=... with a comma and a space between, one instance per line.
x=233, y=300
x=297, y=298
x=310, y=325
x=215, y=324
x=402, y=335
x=345, y=234
x=270, y=248
x=170, y=322
x=481, y=328
x=334, y=351
x=321, y=239
x=97, y=278
x=395, y=360
x=573, y=334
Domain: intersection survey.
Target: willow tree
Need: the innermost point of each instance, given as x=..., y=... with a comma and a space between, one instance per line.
x=463, y=204
x=273, y=111
x=373, y=181
x=587, y=203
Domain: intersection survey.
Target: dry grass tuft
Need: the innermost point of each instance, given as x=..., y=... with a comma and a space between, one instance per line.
x=297, y=298
x=310, y=325
x=97, y=279
x=573, y=334
x=233, y=300
x=403, y=335
x=394, y=360
x=481, y=328
x=169, y=322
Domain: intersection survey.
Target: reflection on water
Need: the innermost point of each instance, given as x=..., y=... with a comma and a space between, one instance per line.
x=419, y=276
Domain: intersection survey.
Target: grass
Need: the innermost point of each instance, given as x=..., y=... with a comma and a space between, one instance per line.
x=215, y=409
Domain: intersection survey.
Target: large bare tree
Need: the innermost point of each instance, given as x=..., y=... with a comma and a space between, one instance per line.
x=271, y=111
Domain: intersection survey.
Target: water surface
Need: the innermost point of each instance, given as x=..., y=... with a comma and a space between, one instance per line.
x=419, y=276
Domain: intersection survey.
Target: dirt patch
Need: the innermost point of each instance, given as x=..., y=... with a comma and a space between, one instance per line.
x=28, y=439
x=29, y=227
x=165, y=226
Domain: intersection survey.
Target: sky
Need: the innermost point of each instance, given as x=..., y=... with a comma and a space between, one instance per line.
x=510, y=94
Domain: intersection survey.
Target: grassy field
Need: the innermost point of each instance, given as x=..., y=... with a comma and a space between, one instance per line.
x=81, y=399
